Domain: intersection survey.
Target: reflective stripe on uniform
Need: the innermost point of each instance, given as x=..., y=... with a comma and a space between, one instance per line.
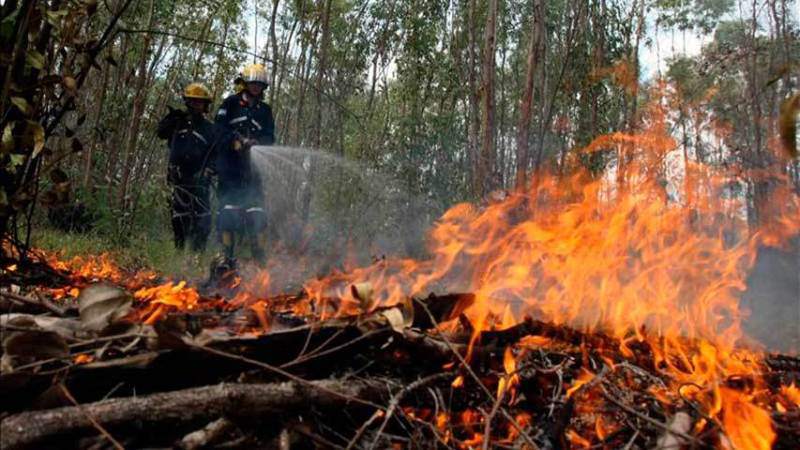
x=237, y=120
x=222, y=112
x=255, y=210
x=231, y=207
x=255, y=123
x=199, y=136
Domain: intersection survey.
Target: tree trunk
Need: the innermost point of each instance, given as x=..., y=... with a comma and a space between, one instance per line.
x=87, y=169
x=136, y=113
x=486, y=162
x=526, y=103
x=322, y=61
x=274, y=41
x=473, y=128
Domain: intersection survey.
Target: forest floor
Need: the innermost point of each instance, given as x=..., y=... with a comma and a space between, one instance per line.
x=152, y=252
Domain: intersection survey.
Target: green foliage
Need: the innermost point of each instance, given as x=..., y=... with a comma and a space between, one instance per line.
x=702, y=15
x=392, y=97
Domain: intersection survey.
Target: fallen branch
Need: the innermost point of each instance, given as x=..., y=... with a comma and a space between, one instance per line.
x=39, y=302
x=26, y=430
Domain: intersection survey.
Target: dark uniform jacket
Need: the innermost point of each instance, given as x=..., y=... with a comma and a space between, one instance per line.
x=191, y=140
x=239, y=120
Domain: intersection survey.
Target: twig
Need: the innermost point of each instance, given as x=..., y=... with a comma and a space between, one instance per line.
x=109, y=338
x=363, y=428
x=395, y=402
x=50, y=306
x=284, y=373
x=632, y=439
x=29, y=301
x=316, y=353
x=487, y=428
x=477, y=379
x=94, y=422
x=647, y=418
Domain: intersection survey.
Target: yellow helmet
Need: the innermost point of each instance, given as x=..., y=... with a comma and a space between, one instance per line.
x=255, y=73
x=198, y=91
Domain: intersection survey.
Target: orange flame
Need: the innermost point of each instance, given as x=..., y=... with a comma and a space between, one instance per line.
x=655, y=251
x=164, y=297
x=792, y=393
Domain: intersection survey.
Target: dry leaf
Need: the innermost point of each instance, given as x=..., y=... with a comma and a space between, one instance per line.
x=363, y=293
x=28, y=346
x=70, y=85
x=787, y=124
x=101, y=306
x=37, y=131
x=396, y=320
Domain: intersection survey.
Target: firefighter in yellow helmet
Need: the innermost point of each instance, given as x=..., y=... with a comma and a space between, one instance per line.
x=246, y=121
x=191, y=139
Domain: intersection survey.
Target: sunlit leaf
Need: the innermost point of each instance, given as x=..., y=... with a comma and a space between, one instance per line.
x=37, y=131
x=35, y=59
x=22, y=105
x=16, y=159
x=55, y=16
x=8, y=138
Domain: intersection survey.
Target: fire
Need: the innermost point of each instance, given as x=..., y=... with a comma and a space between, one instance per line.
x=792, y=393
x=746, y=425
x=161, y=298
x=584, y=378
x=510, y=380
x=577, y=440
x=654, y=252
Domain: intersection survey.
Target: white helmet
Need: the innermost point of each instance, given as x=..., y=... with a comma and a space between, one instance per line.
x=255, y=73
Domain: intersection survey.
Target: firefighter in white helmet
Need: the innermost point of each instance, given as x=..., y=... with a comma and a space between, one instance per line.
x=192, y=142
x=247, y=121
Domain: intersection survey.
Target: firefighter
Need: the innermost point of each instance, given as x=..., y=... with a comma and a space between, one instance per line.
x=191, y=139
x=247, y=121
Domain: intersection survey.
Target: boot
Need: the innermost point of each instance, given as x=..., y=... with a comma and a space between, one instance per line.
x=222, y=272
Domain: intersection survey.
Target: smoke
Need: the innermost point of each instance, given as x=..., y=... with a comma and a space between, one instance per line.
x=773, y=298
x=328, y=213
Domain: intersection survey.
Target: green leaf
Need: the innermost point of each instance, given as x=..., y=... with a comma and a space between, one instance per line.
x=37, y=131
x=34, y=59
x=54, y=16
x=8, y=138
x=22, y=105
x=17, y=159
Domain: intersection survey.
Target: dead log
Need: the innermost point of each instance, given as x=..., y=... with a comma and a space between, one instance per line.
x=26, y=430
